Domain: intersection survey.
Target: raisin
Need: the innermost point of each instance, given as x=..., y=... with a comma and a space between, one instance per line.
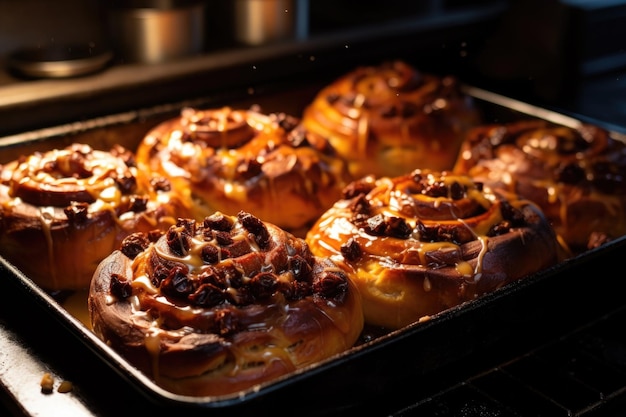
x=426, y=234
x=77, y=212
x=457, y=191
x=223, y=238
x=138, y=204
x=299, y=290
x=356, y=188
x=177, y=283
x=360, y=205
x=249, y=168
x=443, y=233
x=159, y=274
x=189, y=225
x=154, y=235
x=499, y=229
x=436, y=189
x=376, y=225
x=126, y=183
x=218, y=221
x=210, y=254
x=134, y=244
x=178, y=242
x=161, y=184
x=263, y=285
x=210, y=276
x=255, y=226
x=418, y=178
x=231, y=272
x=300, y=268
x=397, y=227
x=120, y=287
x=512, y=214
x=207, y=295
x=332, y=284
x=351, y=250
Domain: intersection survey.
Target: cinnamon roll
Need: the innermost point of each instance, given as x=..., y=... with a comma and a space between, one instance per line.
x=576, y=175
x=221, y=305
x=390, y=119
x=426, y=241
x=233, y=160
x=64, y=210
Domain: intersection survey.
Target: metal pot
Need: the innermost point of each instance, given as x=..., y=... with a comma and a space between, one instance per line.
x=262, y=21
x=153, y=31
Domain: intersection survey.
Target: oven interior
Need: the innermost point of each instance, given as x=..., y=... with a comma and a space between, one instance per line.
x=547, y=347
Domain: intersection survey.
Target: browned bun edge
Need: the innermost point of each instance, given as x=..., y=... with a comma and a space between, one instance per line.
x=220, y=306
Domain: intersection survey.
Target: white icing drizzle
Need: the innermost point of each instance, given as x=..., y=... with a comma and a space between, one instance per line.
x=46, y=217
x=479, y=259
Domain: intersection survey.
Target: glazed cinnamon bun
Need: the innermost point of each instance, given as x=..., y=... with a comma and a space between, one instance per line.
x=221, y=305
x=424, y=242
x=577, y=176
x=64, y=210
x=390, y=119
x=233, y=160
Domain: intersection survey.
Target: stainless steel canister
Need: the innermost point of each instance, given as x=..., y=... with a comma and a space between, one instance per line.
x=262, y=21
x=153, y=31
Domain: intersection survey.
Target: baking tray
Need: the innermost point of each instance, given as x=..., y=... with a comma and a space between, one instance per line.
x=420, y=359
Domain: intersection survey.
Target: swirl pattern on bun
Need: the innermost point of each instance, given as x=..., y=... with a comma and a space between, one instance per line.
x=427, y=241
x=64, y=210
x=390, y=119
x=219, y=306
x=233, y=160
x=576, y=175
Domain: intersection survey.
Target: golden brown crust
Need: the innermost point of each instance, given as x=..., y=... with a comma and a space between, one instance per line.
x=233, y=160
x=218, y=307
x=70, y=208
x=575, y=175
x=390, y=119
x=424, y=242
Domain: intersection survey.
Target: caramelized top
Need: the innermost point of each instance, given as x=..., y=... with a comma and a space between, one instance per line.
x=391, y=118
x=550, y=153
x=235, y=160
x=76, y=173
x=420, y=219
x=79, y=180
x=237, y=268
x=576, y=175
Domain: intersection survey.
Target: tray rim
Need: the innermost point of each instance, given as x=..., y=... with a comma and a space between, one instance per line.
x=154, y=393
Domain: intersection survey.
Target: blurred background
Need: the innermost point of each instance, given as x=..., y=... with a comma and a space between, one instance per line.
x=74, y=59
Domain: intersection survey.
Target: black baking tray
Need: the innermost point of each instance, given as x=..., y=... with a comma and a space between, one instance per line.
x=416, y=361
